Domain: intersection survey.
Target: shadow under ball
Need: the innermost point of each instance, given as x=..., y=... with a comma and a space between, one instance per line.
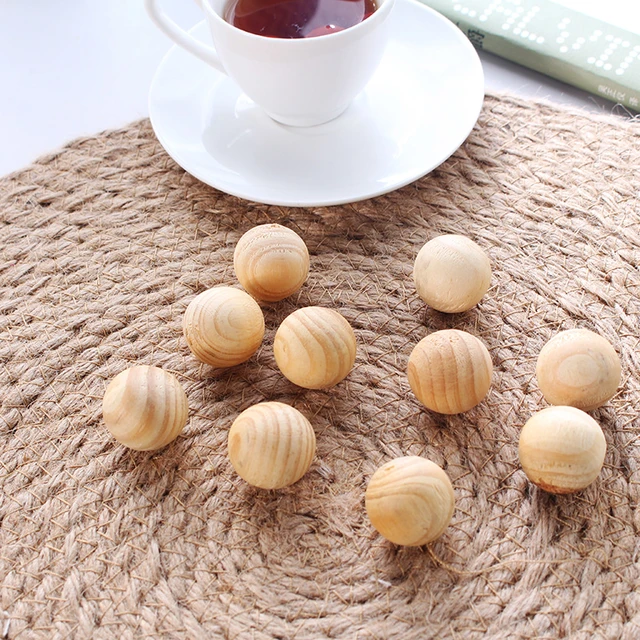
x=450, y=371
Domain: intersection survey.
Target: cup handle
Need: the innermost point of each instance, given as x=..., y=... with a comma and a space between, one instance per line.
x=181, y=37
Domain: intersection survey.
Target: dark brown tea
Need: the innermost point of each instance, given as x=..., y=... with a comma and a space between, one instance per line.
x=297, y=18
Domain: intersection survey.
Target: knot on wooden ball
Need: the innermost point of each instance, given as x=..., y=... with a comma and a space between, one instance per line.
x=145, y=408
x=578, y=368
x=451, y=273
x=450, y=371
x=562, y=449
x=223, y=326
x=271, y=262
x=315, y=347
x=410, y=501
x=271, y=445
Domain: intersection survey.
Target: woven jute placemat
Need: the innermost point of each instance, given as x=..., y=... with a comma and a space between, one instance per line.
x=105, y=243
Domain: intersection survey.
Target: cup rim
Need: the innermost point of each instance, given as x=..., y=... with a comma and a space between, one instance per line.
x=379, y=14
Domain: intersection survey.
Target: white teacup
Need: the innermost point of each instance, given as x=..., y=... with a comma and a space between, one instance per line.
x=299, y=82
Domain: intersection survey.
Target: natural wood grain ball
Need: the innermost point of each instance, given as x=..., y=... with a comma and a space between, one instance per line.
x=271, y=262
x=145, y=408
x=562, y=449
x=452, y=273
x=450, y=371
x=578, y=368
x=271, y=445
x=223, y=326
x=410, y=501
x=315, y=347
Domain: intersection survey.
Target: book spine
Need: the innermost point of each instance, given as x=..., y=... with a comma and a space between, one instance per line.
x=539, y=60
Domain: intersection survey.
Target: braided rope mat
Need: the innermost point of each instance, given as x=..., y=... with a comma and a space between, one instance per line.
x=104, y=244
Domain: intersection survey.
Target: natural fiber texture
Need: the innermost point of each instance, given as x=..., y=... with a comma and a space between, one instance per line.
x=106, y=242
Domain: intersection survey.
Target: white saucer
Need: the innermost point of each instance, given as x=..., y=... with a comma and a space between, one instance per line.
x=416, y=111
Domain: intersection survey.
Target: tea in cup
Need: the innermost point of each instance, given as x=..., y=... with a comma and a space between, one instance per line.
x=297, y=18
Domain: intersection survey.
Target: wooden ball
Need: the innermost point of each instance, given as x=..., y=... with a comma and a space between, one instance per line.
x=410, y=501
x=271, y=445
x=223, y=326
x=578, y=368
x=271, y=262
x=452, y=273
x=315, y=347
x=562, y=449
x=145, y=408
x=450, y=371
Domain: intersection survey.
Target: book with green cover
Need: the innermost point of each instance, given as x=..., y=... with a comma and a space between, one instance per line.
x=552, y=39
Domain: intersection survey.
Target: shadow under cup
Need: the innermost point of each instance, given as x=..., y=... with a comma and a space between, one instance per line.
x=301, y=81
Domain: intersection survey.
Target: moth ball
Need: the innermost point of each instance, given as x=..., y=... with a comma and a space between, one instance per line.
x=578, y=368
x=271, y=445
x=410, y=501
x=315, y=347
x=145, y=408
x=452, y=273
x=450, y=371
x=271, y=262
x=562, y=449
x=223, y=326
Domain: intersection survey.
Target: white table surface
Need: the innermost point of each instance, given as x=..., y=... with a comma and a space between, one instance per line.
x=76, y=67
